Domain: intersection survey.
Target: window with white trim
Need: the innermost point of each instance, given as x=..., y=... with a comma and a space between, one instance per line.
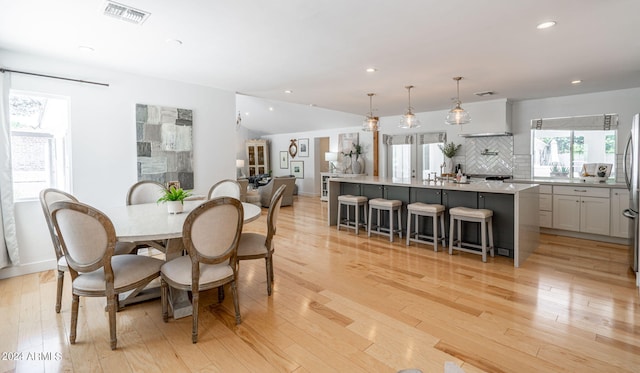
x=39, y=126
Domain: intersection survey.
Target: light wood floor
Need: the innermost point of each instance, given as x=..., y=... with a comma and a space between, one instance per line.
x=350, y=304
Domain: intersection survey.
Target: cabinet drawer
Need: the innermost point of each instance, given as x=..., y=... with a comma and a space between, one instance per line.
x=545, y=189
x=546, y=202
x=581, y=191
x=546, y=219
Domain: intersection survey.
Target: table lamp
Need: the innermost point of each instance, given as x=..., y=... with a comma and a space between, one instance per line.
x=240, y=167
x=331, y=157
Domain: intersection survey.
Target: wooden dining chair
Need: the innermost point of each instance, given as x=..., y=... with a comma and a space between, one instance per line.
x=211, y=233
x=225, y=188
x=88, y=239
x=259, y=246
x=47, y=197
x=146, y=191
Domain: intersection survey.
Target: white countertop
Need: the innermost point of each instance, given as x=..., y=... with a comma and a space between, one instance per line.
x=474, y=186
x=608, y=184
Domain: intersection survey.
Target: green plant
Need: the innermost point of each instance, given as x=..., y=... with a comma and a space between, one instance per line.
x=174, y=194
x=357, y=150
x=449, y=149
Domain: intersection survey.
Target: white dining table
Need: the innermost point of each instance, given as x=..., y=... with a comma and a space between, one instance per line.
x=151, y=222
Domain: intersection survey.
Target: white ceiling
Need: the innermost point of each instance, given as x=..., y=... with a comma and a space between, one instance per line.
x=320, y=49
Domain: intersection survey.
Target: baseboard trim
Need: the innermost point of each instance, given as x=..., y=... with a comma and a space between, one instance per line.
x=586, y=236
x=26, y=269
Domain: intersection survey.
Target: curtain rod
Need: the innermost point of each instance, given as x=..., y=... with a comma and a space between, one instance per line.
x=3, y=70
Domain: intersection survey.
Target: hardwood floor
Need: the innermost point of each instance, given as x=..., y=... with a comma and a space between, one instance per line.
x=351, y=304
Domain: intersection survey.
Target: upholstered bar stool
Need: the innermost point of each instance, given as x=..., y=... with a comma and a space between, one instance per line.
x=357, y=202
x=391, y=206
x=434, y=211
x=482, y=216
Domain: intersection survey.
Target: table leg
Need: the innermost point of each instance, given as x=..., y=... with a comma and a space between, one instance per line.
x=179, y=301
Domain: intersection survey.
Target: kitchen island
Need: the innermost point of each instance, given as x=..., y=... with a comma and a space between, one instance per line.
x=515, y=206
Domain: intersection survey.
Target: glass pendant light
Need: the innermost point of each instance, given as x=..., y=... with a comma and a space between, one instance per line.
x=371, y=123
x=409, y=119
x=458, y=115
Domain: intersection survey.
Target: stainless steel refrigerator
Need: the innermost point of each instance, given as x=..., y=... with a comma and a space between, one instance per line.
x=632, y=178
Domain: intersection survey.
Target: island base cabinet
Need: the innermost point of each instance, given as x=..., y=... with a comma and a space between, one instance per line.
x=503, y=220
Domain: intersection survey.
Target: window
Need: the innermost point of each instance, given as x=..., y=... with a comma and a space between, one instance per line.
x=408, y=153
x=39, y=142
x=561, y=153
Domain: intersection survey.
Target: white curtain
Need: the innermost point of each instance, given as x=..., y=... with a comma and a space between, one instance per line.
x=9, y=242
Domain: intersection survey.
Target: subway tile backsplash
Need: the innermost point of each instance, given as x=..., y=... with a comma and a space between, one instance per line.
x=489, y=155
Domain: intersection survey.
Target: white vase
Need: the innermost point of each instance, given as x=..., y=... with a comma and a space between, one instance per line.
x=175, y=207
x=356, y=166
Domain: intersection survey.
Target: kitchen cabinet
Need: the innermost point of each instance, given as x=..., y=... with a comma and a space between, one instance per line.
x=257, y=157
x=580, y=209
x=619, y=202
x=546, y=206
x=503, y=216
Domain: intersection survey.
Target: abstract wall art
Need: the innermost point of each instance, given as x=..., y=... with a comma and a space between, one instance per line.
x=164, y=144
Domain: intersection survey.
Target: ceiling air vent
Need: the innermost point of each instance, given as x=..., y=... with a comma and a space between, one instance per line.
x=484, y=93
x=125, y=12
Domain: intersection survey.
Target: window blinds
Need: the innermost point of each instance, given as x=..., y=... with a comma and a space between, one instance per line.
x=603, y=122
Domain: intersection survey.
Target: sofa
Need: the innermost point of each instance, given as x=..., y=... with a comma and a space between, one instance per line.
x=267, y=191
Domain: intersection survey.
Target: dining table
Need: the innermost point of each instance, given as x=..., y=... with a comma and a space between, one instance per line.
x=152, y=223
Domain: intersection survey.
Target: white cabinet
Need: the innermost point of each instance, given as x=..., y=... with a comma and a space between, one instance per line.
x=324, y=182
x=619, y=223
x=546, y=206
x=581, y=209
x=258, y=157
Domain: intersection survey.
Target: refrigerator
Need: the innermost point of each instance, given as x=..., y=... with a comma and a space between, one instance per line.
x=631, y=167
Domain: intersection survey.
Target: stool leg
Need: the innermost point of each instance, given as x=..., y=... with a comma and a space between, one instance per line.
x=357, y=208
x=400, y=222
x=369, y=222
x=435, y=233
x=444, y=238
x=451, y=224
x=378, y=222
x=459, y=234
x=339, y=215
x=390, y=225
x=491, y=235
x=409, y=226
x=483, y=239
x=364, y=211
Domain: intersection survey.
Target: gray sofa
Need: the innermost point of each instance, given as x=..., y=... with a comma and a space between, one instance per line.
x=266, y=192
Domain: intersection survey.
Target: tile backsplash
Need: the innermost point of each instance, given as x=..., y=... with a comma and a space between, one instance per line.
x=489, y=155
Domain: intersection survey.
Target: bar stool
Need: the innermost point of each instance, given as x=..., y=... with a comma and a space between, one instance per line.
x=482, y=216
x=357, y=202
x=433, y=211
x=389, y=205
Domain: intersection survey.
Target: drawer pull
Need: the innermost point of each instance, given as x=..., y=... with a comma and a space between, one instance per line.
x=580, y=190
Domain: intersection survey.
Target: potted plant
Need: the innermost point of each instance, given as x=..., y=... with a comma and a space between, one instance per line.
x=449, y=150
x=174, y=197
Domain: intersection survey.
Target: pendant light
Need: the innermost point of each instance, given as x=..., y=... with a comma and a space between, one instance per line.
x=458, y=115
x=371, y=123
x=409, y=119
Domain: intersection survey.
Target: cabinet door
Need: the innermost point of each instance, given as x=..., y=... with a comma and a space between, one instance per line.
x=594, y=215
x=619, y=223
x=503, y=220
x=566, y=212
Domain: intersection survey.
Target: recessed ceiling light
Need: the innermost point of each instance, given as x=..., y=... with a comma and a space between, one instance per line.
x=246, y=113
x=371, y=70
x=270, y=108
x=174, y=42
x=577, y=81
x=86, y=48
x=288, y=91
x=544, y=25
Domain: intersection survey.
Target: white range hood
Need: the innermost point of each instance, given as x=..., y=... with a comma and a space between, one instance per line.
x=488, y=118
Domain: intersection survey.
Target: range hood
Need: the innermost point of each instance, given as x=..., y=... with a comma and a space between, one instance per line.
x=488, y=119
x=487, y=134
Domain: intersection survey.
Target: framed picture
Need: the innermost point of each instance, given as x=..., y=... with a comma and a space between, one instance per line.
x=284, y=159
x=303, y=147
x=297, y=169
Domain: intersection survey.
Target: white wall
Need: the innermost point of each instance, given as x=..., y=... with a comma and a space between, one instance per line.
x=103, y=138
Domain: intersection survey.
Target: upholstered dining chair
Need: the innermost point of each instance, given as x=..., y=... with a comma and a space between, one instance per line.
x=211, y=233
x=258, y=246
x=88, y=239
x=47, y=197
x=146, y=191
x=225, y=188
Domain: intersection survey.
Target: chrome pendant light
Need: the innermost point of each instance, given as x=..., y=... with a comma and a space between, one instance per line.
x=409, y=119
x=458, y=115
x=371, y=123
